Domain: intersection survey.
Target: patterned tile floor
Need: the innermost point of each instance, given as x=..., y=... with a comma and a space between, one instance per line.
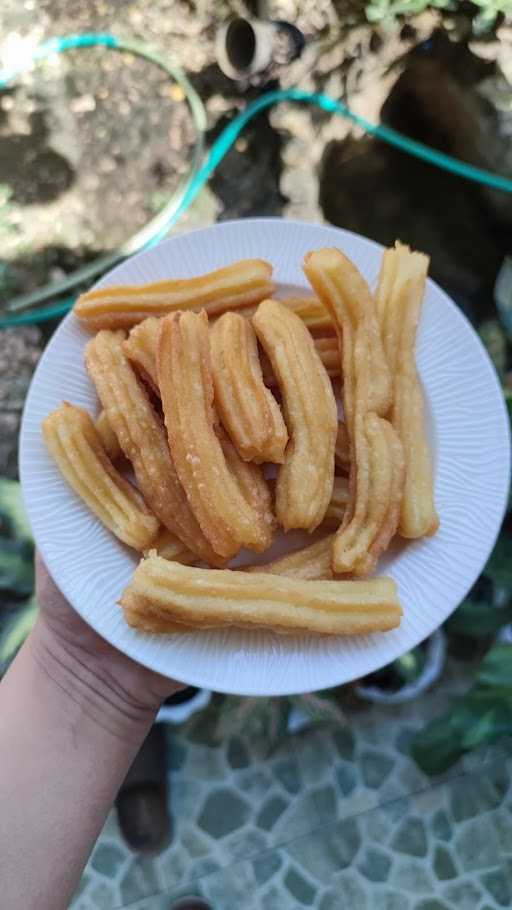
x=335, y=818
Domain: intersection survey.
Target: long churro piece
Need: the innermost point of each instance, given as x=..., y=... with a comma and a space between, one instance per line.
x=248, y=410
x=399, y=300
x=206, y=598
x=335, y=278
x=107, y=436
x=309, y=563
x=143, y=441
x=241, y=284
x=360, y=538
x=76, y=446
x=185, y=380
x=305, y=480
x=387, y=518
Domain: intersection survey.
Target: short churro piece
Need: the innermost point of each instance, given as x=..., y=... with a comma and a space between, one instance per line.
x=140, y=347
x=251, y=483
x=347, y=297
x=107, y=436
x=248, y=410
x=399, y=300
x=206, y=598
x=186, y=387
x=305, y=480
x=309, y=563
x=76, y=446
x=241, y=284
x=143, y=441
x=389, y=517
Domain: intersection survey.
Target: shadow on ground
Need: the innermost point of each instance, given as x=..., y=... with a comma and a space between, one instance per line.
x=32, y=170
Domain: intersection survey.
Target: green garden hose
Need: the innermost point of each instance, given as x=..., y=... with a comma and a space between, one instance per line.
x=199, y=173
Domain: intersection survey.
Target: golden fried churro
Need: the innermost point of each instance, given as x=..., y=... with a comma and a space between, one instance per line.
x=248, y=410
x=399, y=298
x=360, y=538
x=241, y=284
x=143, y=441
x=168, y=546
x=309, y=563
x=251, y=483
x=390, y=516
x=207, y=598
x=186, y=387
x=107, y=436
x=312, y=312
x=342, y=450
x=305, y=480
x=346, y=296
x=140, y=347
x=76, y=446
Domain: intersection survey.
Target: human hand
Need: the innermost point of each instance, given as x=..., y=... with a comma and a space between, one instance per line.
x=115, y=690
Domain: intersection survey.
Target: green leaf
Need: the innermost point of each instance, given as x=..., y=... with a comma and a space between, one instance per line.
x=16, y=567
x=478, y=620
x=12, y=511
x=16, y=631
x=496, y=672
x=481, y=717
x=499, y=566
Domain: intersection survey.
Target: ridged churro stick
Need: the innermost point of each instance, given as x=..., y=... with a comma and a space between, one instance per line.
x=143, y=441
x=361, y=536
x=107, y=436
x=206, y=598
x=305, y=480
x=333, y=276
x=76, y=446
x=247, y=409
x=140, y=347
x=241, y=284
x=184, y=377
x=399, y=300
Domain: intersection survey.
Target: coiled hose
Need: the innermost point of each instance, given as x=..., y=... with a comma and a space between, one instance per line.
x=199, y=173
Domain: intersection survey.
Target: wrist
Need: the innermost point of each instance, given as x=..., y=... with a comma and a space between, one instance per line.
x=110, y=700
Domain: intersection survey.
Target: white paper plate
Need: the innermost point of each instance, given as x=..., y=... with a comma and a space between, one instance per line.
x=470, y=437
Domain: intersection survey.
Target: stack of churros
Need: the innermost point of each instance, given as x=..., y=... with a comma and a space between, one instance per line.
x=218, y=431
